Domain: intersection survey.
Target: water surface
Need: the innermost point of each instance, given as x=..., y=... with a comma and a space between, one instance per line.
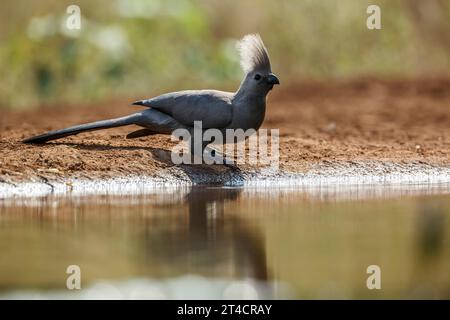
x=215, y=242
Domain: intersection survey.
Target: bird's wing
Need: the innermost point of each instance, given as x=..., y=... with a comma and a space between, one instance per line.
x=213, y=108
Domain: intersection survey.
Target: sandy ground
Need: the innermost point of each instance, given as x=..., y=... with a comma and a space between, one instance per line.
x=321, y=124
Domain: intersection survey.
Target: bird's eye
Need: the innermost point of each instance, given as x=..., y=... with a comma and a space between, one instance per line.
x=257, y=77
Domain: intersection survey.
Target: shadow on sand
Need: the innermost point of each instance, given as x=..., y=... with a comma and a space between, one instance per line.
x=204, y=174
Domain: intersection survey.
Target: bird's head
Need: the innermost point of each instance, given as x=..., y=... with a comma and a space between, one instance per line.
x=255, y=62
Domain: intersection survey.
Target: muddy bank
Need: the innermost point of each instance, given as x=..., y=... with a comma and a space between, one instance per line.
x=362, y=128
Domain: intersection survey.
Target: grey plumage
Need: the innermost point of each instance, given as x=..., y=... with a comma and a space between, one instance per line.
x=213, y=107
x=244, y=109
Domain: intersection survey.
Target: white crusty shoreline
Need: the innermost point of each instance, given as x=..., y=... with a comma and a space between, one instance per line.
x=324, y=175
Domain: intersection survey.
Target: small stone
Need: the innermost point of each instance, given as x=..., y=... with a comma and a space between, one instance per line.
x=50, y=170
x=331, y=127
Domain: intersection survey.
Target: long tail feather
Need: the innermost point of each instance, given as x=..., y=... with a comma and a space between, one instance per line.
x=104, y=124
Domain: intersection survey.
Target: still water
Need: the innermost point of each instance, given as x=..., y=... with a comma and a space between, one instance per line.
x=215, y=242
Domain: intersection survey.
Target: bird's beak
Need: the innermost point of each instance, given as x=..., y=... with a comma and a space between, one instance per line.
x=272, y=79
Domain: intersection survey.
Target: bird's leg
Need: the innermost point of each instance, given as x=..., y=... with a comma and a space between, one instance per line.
x=217, y=157
x=231, y=158
x=207, y=155
x=196, y=152
x=212, y=156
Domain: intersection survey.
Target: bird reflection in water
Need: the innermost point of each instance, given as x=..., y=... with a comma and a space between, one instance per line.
x=212, y=241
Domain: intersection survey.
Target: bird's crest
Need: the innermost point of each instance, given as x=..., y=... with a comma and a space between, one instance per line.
x=253, y=53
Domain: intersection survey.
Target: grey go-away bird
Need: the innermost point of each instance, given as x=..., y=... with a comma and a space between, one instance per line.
x=243, y=109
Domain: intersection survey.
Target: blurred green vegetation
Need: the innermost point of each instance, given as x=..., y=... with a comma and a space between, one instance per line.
x=137, y=48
